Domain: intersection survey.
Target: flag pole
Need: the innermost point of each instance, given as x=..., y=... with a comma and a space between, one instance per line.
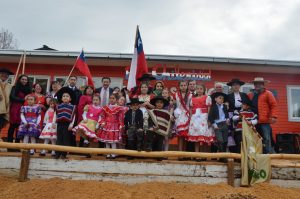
x=71, y=72
x=17, y=72
x=136, y=35
x=24, y=61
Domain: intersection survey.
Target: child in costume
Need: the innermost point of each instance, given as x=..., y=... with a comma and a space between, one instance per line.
x=66, y=113
x=111, y=123
x=199, y=132
x=134, y=122
x=90, y=123
x=159, y=124
x=219, y=118
x=30, y=121
x=182, y=112
x=49, y=133
x=238, y=115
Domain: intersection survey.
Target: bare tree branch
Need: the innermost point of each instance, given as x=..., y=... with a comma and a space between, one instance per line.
x=7, y=40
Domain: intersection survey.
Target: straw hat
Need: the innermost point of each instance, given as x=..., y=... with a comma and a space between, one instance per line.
x=260, y=80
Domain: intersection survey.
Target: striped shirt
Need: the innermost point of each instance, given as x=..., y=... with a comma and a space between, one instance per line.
x=65, y=112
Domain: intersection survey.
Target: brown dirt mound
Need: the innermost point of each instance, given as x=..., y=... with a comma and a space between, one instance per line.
x=67, y=189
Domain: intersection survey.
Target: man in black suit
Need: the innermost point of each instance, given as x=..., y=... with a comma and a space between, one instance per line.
x=72, y=85
x=236, y=96
x=105, y=91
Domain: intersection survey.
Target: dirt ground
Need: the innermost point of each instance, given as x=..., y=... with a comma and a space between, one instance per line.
x=67, y=189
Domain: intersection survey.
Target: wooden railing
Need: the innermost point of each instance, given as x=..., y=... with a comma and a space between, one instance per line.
x=155, y=154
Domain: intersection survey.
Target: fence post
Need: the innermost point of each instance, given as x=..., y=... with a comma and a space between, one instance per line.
x=24, y=166
x=230, y=171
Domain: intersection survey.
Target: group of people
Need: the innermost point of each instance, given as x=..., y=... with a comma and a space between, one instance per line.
x=144, y=118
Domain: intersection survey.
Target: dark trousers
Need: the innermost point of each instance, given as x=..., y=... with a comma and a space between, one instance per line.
x=135, y=139
x=238, y=138
x=222, y=136
x=11, y=132
x=64, y=137
x=154, y=141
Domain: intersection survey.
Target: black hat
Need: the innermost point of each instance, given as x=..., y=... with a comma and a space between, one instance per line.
x=63, y=90
x=134, y=101
x=246, y=101
x=146, y=77
x=4, y=70
x=153, y=101
x=217, y=94
x=235, y=81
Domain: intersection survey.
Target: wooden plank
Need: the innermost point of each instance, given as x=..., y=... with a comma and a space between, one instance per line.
x=230, y=172
x=127, y=179
x=127, y=167
x=160, y=154
x=24, y=166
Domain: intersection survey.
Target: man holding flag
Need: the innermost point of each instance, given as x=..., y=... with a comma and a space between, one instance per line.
x=138, y=69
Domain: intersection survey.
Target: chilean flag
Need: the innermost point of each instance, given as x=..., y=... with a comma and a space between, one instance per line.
x=82, y=66
x=138, y=63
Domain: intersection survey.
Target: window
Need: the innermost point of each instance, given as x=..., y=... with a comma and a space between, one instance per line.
x=293, y=95
x=115, y=82
x=82, y=81
x=247, y=88
x=43, y=80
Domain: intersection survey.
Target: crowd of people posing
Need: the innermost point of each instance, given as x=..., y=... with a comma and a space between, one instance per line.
x=144, y=118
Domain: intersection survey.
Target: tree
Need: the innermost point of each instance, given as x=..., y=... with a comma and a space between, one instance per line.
x=8, y=40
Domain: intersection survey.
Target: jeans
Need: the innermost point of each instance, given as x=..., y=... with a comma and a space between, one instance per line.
x=265, y=131
x=222, y=136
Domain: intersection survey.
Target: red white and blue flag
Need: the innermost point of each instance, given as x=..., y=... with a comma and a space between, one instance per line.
x=138, y=63
x=82, y=66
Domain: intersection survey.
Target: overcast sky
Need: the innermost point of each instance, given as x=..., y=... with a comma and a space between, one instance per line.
x=268, y=29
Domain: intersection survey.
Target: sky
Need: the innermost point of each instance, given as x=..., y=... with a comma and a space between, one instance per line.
x=260, y=29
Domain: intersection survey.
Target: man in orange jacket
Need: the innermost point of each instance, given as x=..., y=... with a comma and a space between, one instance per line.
x=265, y=105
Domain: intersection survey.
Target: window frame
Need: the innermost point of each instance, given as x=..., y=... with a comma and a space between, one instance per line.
x=48, y=77
x=289, y=103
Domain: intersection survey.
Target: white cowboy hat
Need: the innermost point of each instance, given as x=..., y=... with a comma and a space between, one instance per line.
x=260, y=79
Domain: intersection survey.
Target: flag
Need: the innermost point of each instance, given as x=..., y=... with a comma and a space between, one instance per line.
x=138, y=63
x=82, y=66
x=255, y=166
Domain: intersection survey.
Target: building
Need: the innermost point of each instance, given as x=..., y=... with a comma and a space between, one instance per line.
x=44, y=66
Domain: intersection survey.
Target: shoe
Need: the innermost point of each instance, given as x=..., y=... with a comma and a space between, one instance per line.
x=31, y=152
x=108, y=156
x=53, y=153
x=148, y=149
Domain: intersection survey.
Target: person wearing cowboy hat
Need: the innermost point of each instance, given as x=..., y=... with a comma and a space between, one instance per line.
x=155, y=141
x=134, y=124
x=265, y=105
x=219, y=118
x=5, y=89
x=65, y=118
x=235, y=97
x=249, y=115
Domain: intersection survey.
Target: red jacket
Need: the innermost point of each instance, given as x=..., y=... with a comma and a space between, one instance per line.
x=267, y=106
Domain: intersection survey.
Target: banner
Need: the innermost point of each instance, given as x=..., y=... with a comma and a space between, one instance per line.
x=256, y=167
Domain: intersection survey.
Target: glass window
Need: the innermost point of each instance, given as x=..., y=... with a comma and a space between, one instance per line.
x=293, y=94
x=43, y=80
x=115, y=82
x=247, y=88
